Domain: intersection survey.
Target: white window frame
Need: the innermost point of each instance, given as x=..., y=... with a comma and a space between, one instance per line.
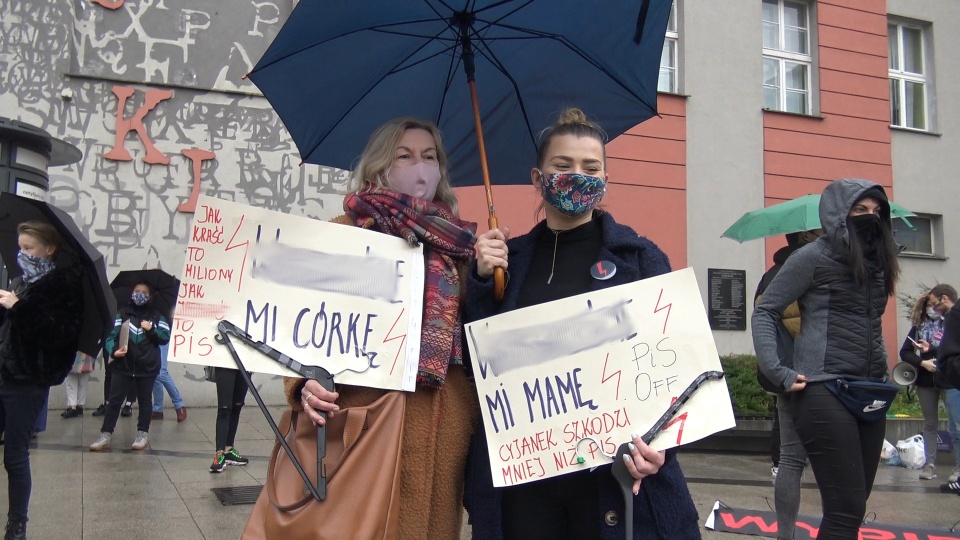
x=900, y=77
x=672, y=37
x=936, y=235
x=783, y=57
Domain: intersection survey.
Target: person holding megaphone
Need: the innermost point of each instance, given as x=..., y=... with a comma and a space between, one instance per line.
x=919, y=350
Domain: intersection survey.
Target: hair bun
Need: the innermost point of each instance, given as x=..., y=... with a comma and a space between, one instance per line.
x=573, y=115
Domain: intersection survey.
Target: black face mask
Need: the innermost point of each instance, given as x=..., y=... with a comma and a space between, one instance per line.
x=868, y=228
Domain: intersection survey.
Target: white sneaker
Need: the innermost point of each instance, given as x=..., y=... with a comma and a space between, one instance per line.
x=774, y=471
x=102, y=443
x=955, y=475
x=927, y=472
x=140, y=442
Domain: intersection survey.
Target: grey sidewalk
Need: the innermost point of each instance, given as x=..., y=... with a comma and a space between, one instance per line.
x=164, y=492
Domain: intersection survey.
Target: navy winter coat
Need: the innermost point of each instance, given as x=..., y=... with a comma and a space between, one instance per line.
x=664, y=509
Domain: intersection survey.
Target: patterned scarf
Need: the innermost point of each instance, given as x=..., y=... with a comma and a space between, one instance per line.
x=932, y=331
x=448, y=243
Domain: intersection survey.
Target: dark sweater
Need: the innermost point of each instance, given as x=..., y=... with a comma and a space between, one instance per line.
x=568, y=256
x=910, y=355
x=948, y=355
x=664, y=509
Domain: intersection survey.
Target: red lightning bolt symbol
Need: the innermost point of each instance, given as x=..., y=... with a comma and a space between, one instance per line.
x=243, y=263
x=659, y=309
x=604, y=377
x=401, y=337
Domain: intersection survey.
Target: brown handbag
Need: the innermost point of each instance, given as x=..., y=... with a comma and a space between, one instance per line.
x=362, y=466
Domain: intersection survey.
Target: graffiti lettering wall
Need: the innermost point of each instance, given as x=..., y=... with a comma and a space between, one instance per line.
x=204, y=44
x=150, y=92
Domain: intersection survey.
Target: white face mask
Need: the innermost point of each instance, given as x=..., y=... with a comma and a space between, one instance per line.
x=418, y=180
x=933, y=314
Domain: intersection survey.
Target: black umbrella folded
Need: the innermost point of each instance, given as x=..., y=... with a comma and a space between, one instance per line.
x=99, y=306
x=165, y=287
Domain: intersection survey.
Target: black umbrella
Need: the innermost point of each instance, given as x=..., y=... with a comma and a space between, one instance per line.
x=99, y=306
x=165, y=287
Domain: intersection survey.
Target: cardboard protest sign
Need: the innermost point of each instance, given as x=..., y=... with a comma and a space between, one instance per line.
x=576, y=377
x=328, y=295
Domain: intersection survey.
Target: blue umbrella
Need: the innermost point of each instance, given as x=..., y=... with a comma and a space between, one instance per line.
x=339, y=68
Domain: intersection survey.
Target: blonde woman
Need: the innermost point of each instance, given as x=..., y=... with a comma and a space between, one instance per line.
x=401, y=187
x=39, y=319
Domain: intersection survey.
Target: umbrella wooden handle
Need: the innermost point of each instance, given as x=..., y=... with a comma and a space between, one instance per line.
x=499, y=283
x=499, y=276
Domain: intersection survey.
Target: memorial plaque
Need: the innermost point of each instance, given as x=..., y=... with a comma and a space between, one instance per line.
x=727, y=299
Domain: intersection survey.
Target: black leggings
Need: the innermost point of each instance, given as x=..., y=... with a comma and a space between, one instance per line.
x=121, y=387
x=844, y=455
x=231, y=391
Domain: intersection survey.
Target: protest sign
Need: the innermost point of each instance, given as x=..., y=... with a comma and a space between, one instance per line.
x=574, y=378
x=344, y=298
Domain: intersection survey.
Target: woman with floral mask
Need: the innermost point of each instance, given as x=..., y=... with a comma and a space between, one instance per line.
x=39, y=328
x=920, y=350
x=400, y=187
x=135, y=363
x=551, y=262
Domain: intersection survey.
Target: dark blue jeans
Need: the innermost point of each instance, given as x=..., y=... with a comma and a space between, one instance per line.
x=21, y=404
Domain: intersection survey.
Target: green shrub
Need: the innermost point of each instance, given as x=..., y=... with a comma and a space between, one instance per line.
x=906, y=405
x=747, y=396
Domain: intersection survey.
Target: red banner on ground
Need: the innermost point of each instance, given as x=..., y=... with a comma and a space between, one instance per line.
x=764, y=523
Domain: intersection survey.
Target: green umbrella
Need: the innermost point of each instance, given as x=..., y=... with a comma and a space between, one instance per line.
x=800, y=214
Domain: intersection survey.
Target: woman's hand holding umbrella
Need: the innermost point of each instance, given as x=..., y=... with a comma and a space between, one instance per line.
x=492, y=252
x=8, y=299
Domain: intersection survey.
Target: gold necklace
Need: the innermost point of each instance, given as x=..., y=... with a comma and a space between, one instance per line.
x=553, y=263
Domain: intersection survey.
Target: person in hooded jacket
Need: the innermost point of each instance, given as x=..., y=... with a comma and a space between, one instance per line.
x=842, y=283
x=135, y=365
x=40, y=320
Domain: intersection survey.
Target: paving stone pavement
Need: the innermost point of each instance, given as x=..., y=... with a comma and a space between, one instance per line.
x=164, y=492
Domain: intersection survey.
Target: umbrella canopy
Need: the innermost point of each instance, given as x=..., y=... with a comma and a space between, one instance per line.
x=800, y=214
x=99, y=305
x=340, y=68
x=165, y=287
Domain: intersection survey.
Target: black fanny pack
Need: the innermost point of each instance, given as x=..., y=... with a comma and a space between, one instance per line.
x=868, y=401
